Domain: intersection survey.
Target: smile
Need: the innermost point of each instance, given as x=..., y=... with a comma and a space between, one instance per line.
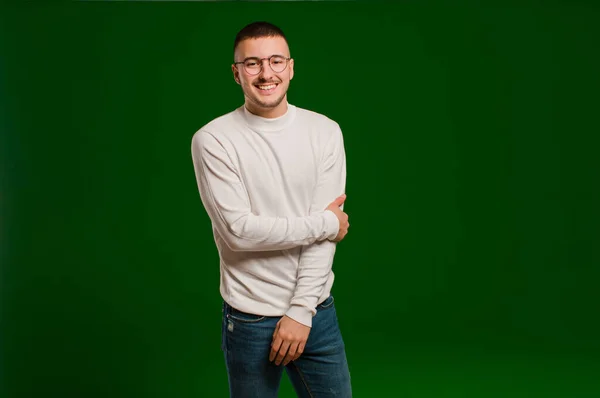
x=266, y=88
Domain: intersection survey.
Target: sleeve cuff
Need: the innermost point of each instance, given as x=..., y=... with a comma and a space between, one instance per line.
x=332, y=225
x=301, y=315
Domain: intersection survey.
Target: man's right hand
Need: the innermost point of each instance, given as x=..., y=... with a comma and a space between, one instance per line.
x=342, y=217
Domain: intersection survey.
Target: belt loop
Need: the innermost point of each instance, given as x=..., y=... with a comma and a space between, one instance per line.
x=226, y=308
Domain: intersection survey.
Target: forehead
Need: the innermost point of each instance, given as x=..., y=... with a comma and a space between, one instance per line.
x=262, y=47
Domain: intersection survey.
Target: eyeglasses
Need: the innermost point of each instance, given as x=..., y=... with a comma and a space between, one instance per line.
x=253, y=65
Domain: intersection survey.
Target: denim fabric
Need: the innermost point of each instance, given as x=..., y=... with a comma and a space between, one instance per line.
x=321, y=371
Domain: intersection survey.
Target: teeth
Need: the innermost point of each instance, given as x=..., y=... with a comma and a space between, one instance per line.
x=270, y=86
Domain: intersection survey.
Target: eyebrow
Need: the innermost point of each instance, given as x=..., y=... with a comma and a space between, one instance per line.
x=272, y=55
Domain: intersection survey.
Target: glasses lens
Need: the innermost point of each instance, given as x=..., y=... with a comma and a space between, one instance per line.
x=278, y=64
x=252, y=66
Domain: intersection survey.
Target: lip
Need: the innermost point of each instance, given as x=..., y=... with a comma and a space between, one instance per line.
x=266, y=92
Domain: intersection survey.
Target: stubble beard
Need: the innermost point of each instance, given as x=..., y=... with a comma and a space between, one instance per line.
x=255, y=99
x=270, y=104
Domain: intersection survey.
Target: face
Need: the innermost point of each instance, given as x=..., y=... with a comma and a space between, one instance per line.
x=266, y=92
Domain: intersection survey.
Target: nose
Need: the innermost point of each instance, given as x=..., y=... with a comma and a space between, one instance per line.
x=266, y=71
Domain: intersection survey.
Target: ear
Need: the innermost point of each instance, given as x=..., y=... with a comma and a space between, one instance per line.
x=236, y=73
x=291, y=66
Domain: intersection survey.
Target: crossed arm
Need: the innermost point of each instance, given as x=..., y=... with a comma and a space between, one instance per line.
x=228, y=206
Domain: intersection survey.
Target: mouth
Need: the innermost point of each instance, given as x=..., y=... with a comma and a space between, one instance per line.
x=266, y=88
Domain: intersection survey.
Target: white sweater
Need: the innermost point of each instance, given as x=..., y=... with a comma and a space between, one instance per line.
x=265, y=184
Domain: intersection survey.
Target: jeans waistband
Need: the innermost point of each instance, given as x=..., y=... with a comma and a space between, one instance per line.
x=228, y=309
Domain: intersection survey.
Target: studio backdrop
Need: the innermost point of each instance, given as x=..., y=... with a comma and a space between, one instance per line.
x=472, y=264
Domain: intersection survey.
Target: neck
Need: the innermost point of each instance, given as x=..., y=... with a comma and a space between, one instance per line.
x=269, y=113
x=269, y=124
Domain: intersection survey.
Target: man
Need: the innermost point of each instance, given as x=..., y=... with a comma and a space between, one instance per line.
x=272, y=177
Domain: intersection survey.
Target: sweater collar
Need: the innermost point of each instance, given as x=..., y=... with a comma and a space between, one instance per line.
x=263, y=124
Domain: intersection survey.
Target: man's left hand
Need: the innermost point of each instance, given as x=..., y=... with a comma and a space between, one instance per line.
x=289, y=340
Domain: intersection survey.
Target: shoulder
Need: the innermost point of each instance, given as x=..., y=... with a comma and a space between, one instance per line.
x=326, y=130
x=221, y=124
x=214, y=132
x=317, y=120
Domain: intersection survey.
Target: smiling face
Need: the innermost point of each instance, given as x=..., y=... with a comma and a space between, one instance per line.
x=266, y=92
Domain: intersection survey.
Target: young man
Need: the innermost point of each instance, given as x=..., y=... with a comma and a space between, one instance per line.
x=272, y=177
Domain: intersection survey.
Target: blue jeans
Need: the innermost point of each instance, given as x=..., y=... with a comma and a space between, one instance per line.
x=321, y=370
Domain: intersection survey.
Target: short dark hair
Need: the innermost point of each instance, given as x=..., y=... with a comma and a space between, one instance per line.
x=256, y=30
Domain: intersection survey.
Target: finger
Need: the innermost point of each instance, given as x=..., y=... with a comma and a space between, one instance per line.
x=291, y=354
x=275, y=348
x=276, y=330
x=299, y=351
x=282, y=352
x=340, y=200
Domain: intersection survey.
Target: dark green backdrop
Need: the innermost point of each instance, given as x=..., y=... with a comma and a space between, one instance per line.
x=472, y=265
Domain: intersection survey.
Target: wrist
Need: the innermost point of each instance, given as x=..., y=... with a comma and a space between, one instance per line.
x=300, y=314
x=332, y=225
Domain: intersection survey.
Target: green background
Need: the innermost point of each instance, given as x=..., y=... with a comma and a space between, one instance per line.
x=473, y=261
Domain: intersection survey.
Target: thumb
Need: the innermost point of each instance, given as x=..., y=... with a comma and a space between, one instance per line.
x=340, y=200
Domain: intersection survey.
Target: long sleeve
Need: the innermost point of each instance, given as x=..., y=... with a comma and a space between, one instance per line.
x=316, y=260
x=227, y=203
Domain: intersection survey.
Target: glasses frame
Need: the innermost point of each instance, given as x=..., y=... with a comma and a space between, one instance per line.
x=287, y=62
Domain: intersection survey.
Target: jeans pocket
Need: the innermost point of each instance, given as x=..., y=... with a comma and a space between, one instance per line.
x=326, y=304
x=244, y=317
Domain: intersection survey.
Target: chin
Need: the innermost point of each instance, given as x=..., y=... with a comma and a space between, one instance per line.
x=268, y=104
